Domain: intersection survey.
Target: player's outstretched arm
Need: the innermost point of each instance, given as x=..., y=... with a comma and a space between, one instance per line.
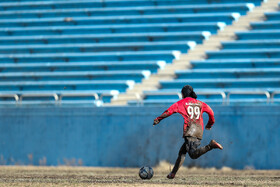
x=210, y=113
x=208, y=127
x=171, y=110
x=156, y=121
x=165, y=114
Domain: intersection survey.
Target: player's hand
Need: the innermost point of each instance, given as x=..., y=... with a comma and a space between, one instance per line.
x=156, y=121
x=208, y=127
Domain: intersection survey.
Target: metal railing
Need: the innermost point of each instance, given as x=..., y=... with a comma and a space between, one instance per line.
x=98, y=98
x=93, y=95
x=224, y=94
x=55, y=96
x=15, y=96
x=58, y=97
x=140, y=98
x=273, y=95
x=266, y=93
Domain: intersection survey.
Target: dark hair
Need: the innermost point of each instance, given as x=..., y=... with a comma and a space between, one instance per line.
x=187, y=91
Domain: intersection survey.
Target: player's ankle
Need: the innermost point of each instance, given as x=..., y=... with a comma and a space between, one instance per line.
x=215, y=145
x=171, y=175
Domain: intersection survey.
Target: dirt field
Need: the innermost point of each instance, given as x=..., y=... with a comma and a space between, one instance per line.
x=88, y=176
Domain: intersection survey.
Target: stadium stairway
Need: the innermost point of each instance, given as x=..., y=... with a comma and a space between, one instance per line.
x=222, y=74
x=88, y=50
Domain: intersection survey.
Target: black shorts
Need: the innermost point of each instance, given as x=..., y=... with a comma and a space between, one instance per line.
x=190, y=145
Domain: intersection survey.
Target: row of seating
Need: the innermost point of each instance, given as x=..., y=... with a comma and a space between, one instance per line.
x=62, y=4
x=106, y=38
x=103, y=47
x=223, y=97
x=117, y=20
x=66, y=85
x=152, y=66
x=268, y=25
x=236, y=63
x=242, y=8
x=229, y=73
x=137, y=76
x=63, y=97
x=91, y=45
x=167, y=56
x=246, y=69
x=212, y=27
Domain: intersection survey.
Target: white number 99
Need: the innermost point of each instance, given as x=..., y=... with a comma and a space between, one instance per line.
x=194, y=111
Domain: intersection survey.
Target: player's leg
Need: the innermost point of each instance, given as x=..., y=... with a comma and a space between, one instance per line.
x=195, y=152
x=179, y=162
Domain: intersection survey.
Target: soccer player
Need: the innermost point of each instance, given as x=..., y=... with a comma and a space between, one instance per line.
x=191, y=109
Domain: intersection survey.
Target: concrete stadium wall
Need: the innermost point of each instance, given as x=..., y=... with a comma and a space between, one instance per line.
x=125, y=137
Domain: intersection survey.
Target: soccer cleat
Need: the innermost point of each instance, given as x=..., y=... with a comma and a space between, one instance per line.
x=171, y=175
x=215, y=145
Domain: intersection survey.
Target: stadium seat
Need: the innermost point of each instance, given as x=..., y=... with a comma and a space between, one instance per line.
x=48, y=4
x=242, y=53
x=167, y=56
x=136, y=76
x=229, y=73
x=66, y=85
x=236, y=63
x=272, y=16
x=106, y=38
x=263, y=83
x=258, y=34
x=252, y=44
x=211, y=27
x=92, y=97
x=153, y=66
x=116, y=20
x=88, y=48
x=242, y=8
x=268, y=25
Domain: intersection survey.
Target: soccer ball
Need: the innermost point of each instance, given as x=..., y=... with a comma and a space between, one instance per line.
x=146, y=172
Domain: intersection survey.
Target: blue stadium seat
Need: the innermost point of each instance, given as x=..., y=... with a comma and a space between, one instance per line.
x=153, y=66
x=66, y=85
x=117, y=20
x=258, y=34
x=121, y=11
x=271, y=16
x=92, y=97
x=252, y=44
x=236, y=63
x=228, y=73
x=167, y=56
x=43, y=5
x=211, y=27
x=268, y=25
x=182, y=46
x=241, y=83
x=106, y=38
x=242, y=53
x=136, y=76
x=212, y=96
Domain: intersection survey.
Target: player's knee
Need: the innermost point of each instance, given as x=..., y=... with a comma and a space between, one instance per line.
x=182, y=153
x=193, y=155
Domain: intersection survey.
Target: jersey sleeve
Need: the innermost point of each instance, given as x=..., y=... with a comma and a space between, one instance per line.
x=209, y=111
x=171, y=110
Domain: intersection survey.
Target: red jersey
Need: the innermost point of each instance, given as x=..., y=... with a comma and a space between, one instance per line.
x=192, y=110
